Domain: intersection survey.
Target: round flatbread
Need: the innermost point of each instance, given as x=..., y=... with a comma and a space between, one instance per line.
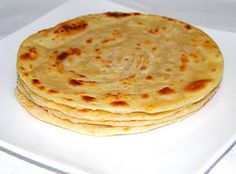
x=103, y=117
x=121, y=63
x=131, y=123
x=100, y=130
x=90, y=114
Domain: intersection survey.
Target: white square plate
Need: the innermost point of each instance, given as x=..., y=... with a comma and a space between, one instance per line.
x=190, y=146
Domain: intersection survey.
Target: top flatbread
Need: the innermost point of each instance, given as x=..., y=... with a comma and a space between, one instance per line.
x=121, y=62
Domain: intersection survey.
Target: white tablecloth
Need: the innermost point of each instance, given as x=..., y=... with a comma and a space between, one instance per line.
x=214, y=14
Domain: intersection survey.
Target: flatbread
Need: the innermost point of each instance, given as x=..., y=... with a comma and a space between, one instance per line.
x=121, y=63
x=75, y=115
x=98, y=130
x=88, y=113
x=134, y=122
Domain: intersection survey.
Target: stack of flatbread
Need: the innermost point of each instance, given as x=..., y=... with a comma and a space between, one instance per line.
x=117, y=73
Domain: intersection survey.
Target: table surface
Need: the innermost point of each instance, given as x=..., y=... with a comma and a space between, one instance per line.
x=16, y=14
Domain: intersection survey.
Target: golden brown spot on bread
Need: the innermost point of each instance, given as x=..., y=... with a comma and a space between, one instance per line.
x=74, y=82
x=71, y=27
x=62, y=56
x=97, y=49
x=41, y=87
x=164, y=28
x=30, y=55
x=145, y=95
x=21, y=68
x=35, y=82
x=26, y=74
x=149, y=78
x=143, y=68
x=208, y=44
x=166, y=90
x=83, y=110
x=117, y=14
x=74, y=51
x=119, y=103
x=89, y=40
x=105, y=41
x=197, y=85
x=146, y=42
x=188, y=27
x=184, y=60
x=32, y=50
x=213, y=69
x=52, y=91
x=88, y=98
x=168, y=18
x=168, y=69
x=153, y=31
x=120, y=14
x=154, y=48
